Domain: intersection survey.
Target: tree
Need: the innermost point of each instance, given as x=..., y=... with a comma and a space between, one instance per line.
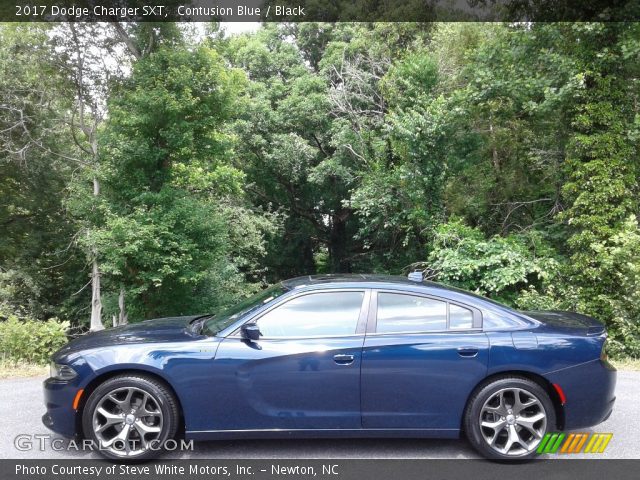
x=87, y=55
x=499, y=267
x=176, y=227
x=315, y=138
x=602, y=187
x=38, y=255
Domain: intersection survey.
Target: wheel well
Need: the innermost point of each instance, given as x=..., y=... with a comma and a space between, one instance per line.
x=93, y=384
x=534, y=377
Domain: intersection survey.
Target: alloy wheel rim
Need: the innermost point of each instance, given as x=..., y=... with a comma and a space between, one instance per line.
x=127, y=422
x=513, y=421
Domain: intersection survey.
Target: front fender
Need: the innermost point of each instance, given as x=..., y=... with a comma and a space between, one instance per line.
x=186, y=367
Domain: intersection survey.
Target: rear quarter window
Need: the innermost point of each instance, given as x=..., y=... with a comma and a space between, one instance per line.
x=492, y=320
x=460, y=317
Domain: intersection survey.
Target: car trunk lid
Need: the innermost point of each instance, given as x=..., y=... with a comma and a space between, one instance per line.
x=568, y=320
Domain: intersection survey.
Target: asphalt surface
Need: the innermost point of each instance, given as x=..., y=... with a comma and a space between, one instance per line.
x=21, y=407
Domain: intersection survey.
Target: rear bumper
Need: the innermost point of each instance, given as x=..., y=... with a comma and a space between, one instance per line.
x=590, y=393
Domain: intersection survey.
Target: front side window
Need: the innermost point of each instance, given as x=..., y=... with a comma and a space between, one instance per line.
x=409, y=313
x=227, y=317
x=313, y=315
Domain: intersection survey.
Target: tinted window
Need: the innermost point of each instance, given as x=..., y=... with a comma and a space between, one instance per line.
x=492, y=320
x=225, y=318
x=408, y=313
x=460, y=317
x=317, y=314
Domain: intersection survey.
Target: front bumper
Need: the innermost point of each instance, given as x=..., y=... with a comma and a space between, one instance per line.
x=590, y=392
x=60, y=416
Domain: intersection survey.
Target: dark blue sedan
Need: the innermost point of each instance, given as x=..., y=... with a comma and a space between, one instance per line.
x=337, y=356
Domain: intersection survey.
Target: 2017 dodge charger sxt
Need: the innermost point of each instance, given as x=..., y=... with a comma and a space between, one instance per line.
x=337, y=356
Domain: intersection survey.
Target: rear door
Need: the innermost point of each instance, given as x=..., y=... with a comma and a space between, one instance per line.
x=422, y=357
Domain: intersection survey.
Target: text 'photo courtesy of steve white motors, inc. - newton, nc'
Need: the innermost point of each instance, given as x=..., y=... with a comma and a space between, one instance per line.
x=209, y=11
x=228, y=469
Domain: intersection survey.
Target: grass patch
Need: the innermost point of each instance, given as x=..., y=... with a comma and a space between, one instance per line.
x=21, y=369
x=627, y=363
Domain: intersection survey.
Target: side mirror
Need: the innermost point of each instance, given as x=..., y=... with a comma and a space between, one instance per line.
x=250, y=331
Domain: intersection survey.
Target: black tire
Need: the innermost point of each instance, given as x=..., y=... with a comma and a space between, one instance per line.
x=159, y=396
x=491, y=392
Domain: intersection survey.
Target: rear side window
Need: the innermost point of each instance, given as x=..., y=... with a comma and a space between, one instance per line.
x=460, y=317
x=409, y=313
x=313, y=315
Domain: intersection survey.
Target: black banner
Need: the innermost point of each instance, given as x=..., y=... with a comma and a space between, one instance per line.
x=318, y=10
x=272, y=469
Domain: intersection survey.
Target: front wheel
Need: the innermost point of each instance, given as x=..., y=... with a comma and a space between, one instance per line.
x=130, y=417
x=507, y=419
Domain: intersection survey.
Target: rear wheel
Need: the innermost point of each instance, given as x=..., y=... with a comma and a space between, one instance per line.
x=130, y=417
x=507, y=419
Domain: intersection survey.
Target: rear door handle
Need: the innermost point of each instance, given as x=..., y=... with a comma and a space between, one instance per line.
x=467, y=352
x=343, y=359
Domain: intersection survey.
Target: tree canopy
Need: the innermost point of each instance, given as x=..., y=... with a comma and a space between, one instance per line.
x=501, y=158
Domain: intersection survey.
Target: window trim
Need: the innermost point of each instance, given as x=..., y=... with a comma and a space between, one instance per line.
x=372, y=325
x=360, y=324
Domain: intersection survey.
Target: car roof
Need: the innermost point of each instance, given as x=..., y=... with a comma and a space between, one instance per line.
x=359, y=278
x=367, y=280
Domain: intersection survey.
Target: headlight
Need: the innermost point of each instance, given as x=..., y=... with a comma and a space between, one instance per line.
x=62, y=372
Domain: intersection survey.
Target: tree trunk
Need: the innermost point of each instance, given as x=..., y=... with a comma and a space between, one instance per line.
x=338, y=244
x=96, y=302
x=123, y=319
x=494, y=151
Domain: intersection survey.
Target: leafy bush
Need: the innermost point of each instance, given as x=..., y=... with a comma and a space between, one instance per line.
x=605, y=285
x=499, y=267
x=615, y=263
x=523, y=271
x=30, y=340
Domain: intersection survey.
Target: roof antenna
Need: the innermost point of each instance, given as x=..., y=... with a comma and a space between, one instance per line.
x=416, y=276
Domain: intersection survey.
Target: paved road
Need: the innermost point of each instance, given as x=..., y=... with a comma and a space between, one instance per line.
x=21, y=407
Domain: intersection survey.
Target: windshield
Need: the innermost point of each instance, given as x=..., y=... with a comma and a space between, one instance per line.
x=225, y=318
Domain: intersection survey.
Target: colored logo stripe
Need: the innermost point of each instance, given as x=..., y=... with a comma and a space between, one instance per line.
x=574, y=442
x=578, y=442
x=598, y=442
x=550, y=443
x=566, y=445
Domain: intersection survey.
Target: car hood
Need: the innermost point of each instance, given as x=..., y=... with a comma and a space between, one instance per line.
x=568, y=321
x=170, y=329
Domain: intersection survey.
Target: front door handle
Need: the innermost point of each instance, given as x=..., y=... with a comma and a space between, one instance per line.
x=343, y=359
x=467, y=352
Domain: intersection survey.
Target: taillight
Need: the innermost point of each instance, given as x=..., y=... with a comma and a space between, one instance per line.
x=603, y=353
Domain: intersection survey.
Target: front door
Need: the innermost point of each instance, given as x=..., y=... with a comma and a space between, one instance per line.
x=420, y=362
x=303, y=372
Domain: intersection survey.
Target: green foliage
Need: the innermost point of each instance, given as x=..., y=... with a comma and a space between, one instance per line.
x=498, y=267
x=170, y=233
x=618, y=267
x=38, y=261
x=602, y=183
x=502, y=156
x=31, y=341
x=318, y=146
x=169, y=113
